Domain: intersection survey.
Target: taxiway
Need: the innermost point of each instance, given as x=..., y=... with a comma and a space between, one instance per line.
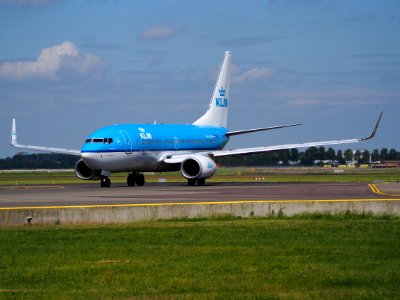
x=156, y=193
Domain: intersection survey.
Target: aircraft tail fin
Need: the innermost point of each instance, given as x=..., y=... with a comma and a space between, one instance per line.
x=217, y=113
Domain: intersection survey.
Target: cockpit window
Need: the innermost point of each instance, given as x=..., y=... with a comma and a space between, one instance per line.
x=98, y=140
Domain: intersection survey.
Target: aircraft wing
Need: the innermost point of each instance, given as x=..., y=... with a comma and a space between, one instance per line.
x=230, y=133
x=254, y=150
x=14, y=143
x=49, y=149
x=245, y=151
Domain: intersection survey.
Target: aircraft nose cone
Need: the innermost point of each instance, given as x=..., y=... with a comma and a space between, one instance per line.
x=91, y=159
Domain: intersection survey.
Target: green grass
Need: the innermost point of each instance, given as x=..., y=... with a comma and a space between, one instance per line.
x=317, y=256
x=222, y=175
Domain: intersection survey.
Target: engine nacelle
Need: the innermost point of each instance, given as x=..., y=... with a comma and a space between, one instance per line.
x=198, y=166
x=82, y=171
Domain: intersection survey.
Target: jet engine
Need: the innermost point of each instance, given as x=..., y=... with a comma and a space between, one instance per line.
x=197, y=167
x=82, y=171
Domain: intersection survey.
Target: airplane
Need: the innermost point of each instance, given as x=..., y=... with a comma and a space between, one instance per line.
x=192, y=149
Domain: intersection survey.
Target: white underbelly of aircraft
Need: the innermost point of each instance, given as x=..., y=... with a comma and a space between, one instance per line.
x=143, y=161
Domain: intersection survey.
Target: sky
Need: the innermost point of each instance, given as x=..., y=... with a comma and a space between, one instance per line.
x=69, y=67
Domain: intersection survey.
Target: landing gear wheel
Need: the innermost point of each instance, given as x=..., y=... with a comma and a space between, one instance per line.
x=140, y=180
x=191, y=182
x=105, y=182
x=131, y=180
x=135, y=178
x=201, y=181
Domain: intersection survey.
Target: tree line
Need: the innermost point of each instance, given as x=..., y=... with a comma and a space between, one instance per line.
x=309, y=157
x=313, y=156
x=39, y=161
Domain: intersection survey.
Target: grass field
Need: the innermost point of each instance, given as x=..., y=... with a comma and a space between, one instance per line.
x=318, y=256
x=222, y=175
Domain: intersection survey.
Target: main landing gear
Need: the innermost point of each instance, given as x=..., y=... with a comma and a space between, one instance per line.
x=133, y=178
x=138, y=179
x=200, y=181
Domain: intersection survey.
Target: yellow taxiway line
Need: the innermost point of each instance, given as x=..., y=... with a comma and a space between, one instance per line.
x=377, y=191
x=373, y=188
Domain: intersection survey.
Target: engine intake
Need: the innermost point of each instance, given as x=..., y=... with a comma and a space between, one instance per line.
x=82, y=171
x=196, y=167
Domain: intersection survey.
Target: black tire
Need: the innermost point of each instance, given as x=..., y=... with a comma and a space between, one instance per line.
x=105, y=182
x=201, y=181
x=131, y=180
x=140, y=180
x=191, y=182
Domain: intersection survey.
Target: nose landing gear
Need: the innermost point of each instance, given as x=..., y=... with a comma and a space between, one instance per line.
x=200, y=181
x=105, y=182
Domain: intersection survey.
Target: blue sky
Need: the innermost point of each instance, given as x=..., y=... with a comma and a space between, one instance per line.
x=70, y=67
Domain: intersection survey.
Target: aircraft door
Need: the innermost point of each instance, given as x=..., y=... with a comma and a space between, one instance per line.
x=128, y=141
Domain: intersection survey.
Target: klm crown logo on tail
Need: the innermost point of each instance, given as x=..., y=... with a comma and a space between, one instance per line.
x=219, y=101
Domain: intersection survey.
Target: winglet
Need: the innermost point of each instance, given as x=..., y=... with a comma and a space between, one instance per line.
x=375, y=128
x=14, y=133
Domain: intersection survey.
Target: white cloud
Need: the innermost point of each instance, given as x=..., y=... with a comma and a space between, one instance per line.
x=158, y=33
x=254, y=74
x=51, y=63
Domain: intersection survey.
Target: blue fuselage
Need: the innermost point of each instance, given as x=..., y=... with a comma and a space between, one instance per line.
x=148, y=137
x=141, y=147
